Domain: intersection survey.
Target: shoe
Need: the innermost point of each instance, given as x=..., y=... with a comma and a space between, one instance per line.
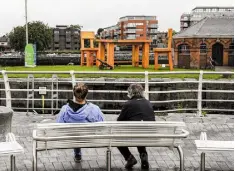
x=144, y=161
x=131, y=161
x=77, y=158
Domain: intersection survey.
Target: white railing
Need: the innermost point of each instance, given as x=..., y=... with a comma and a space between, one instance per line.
x=146, y=81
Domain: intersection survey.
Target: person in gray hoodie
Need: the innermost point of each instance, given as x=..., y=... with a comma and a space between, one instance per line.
x=80, y=111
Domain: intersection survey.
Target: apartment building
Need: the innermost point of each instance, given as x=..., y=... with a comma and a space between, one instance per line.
x=66, y=38
x=133, y=27
x=4, y=43
x=198, y=13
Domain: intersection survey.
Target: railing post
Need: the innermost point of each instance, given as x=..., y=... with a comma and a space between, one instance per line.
x=73, y=80
x=54, y=95
x=7, y=89
x=30, y=94
x=199, y=102
x=146, y=73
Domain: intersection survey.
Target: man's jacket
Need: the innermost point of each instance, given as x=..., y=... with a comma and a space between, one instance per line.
x=137, y=109
x=89, y=112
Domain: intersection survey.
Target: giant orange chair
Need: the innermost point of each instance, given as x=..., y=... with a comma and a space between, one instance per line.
x=90, y=51
x=167, y=51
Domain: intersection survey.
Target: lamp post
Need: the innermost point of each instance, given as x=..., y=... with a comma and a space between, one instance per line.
x=26, y=24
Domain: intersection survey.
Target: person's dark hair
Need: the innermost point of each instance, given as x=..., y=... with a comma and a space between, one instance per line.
x=80, y=91
x=135, y=90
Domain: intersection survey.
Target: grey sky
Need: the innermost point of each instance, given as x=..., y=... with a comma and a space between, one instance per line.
x=93, y=14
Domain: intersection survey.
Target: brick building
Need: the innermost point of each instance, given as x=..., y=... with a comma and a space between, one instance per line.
x=133, y=27
x=66, y=38
x=198, y=13
x=210, y=37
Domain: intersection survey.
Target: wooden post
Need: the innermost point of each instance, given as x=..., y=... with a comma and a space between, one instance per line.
x=156, y=66
x=170, y=60
x=101, y=53
x=82, y=58
x=88, y=60
x=137, y=52
x=110, y=54
x=145, y=57
x=91, y=43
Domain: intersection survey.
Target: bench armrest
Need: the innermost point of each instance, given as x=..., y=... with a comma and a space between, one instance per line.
x=10, y=137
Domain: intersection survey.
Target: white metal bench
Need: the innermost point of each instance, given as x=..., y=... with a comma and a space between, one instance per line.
x=107, y=135
x=11, y=148
x=203, y=145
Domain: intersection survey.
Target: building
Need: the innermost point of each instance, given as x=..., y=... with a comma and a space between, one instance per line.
x=4, y=43
x=133, y=27
x=211, y=37
x=198, y=13
x=66, y=38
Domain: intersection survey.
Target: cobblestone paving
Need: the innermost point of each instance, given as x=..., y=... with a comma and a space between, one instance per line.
x=218, y=127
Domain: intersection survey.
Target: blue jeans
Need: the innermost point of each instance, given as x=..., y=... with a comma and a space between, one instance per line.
x=77, y=151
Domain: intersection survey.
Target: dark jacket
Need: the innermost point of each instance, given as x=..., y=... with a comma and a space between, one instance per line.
x=137, y=109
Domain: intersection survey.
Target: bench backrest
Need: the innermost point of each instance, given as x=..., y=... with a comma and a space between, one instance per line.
x=107, y=134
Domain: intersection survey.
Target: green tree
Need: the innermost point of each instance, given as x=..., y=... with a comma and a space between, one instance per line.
x=99, y=31
x=174, y=32
x=38, y=33
x=76, y=26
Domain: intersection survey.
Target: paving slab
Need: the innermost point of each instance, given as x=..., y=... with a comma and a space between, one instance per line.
x=218, y=127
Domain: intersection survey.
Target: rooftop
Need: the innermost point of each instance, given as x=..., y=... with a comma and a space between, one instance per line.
x=210, y=7
x=213, y=27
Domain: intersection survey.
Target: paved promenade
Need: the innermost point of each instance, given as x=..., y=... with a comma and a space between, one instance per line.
x=218, y=127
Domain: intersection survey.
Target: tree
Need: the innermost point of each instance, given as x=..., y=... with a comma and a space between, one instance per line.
x=99, y=31
x=174, y=32
x=38, y=33
x=76, y=26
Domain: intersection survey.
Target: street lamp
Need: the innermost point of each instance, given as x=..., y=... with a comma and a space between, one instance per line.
x=26, y=24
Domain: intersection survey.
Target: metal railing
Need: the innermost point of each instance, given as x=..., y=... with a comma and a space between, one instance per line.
x=148, y=83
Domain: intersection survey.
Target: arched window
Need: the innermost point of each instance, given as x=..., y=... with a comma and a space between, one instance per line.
x=183, y=49
x=203, y=48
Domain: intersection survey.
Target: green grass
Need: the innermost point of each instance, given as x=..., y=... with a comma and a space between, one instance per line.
x=123, y=68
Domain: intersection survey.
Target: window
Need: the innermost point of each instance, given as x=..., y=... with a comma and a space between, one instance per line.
x=56, y=32
x=203, y=48
x=183, y=49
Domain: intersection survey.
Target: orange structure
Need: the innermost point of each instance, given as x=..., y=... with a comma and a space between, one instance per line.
x=167, y=51
x=91, y=51
x=109, y=44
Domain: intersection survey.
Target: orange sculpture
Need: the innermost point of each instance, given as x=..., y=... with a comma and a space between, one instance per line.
x=91, y=51
x=109, y=44
x=167, y=51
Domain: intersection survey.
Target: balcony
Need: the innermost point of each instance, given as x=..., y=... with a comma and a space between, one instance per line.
x=154, y=26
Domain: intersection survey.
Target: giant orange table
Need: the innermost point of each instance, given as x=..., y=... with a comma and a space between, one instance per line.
x=109, y=44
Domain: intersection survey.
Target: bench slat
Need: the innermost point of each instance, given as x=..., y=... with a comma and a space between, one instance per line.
x=10, y=148
x=208, y=145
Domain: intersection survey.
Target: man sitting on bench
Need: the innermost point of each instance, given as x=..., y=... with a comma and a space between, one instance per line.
x=136, y=109
x=79, y=111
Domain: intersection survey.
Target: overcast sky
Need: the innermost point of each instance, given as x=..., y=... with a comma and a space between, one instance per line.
x=94, y=14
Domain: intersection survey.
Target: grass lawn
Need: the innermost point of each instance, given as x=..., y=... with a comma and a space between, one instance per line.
x=123, y=68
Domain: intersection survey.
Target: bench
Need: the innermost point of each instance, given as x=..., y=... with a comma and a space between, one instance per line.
x=203, y=145
x=47, y=136
x=11, y=148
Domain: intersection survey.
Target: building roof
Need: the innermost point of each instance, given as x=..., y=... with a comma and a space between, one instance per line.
x=3, y=39
x=210, y=7
x=209, y=27
x=137, y=16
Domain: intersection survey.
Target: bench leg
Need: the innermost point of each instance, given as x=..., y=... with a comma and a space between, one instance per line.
x=203, y=163
x=181, y=153
x=13, y=166
x=34, y=156
x=108, y=159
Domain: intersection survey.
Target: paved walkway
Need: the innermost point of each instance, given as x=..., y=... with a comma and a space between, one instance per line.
x=218, y=127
